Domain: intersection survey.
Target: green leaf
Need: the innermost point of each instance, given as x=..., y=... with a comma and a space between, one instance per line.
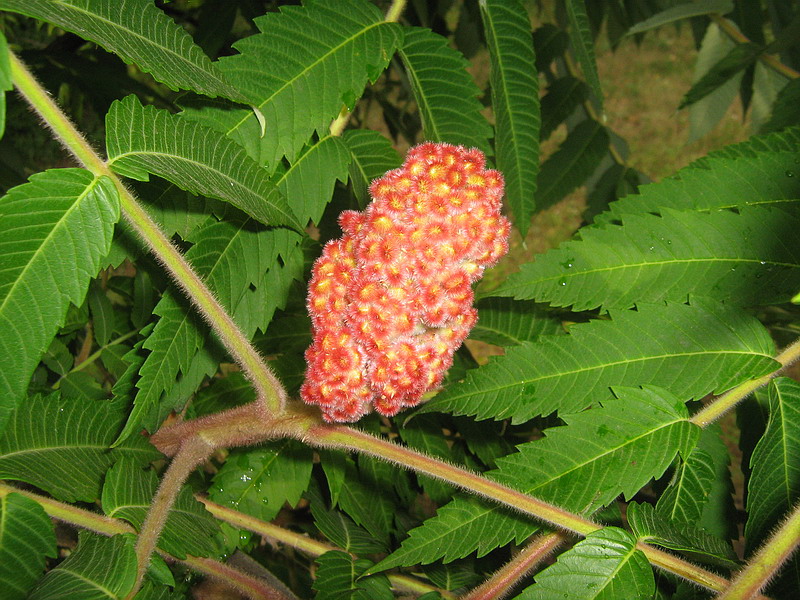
x=604, y=566
x=238, y=260
x=737, y=59
x=445, y=94
x=774, y=484
x=371, y=156
x=786, y=108
x=62, y=445
x=308, y=183
x=700, y=491
x=339, y=528
x=369, y=507
x=651, y=526
x=100, y=568
x=143, y=139
x=424, y=433
x=728, y=256
x=56, y=229
x=26, y=539
x=338, y=577
x=572, y=164
x=102, y=313
x=692, y=350
x=614, y=450
x=128, y=493
x=506, y=322
x=306, y=64
x=563, y=96
x=137, y=32
x=515, y=102
x=583, y=46
x=549, y=43
x=682, y=11
x=259, y=481
x=465, y=525
x=719, y=181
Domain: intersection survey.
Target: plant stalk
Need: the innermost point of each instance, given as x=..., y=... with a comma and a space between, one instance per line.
x=193, y=451
x=714, y=410
x=502, y=583
x=268, y=388
x=767, y=561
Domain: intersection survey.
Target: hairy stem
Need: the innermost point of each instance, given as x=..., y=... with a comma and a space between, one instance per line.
x=767, y=561
x=501, y=583
x=193, y=451
x=267, y=386
x=731, y=398
x=346, y=438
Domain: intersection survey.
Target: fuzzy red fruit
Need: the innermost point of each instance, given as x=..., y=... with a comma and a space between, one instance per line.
x=391, y=300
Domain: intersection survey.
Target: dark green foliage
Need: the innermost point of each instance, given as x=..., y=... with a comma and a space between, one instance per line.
x=243, y=128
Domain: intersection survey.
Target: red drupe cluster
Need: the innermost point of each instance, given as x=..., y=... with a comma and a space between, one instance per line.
x=391, y=300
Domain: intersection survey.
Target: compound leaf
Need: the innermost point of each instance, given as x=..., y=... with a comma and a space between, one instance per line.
x=583, y=45
x=372, y=155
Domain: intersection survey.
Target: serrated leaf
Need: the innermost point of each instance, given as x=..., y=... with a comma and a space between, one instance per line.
x=370, y=508
x=308, y=183
x=445, y=94
x=690, y=349
x=237, y=260
x=572, y=164
x=62, y=445
x=583, y=46
x=731, y=257
x=102, y=312
x=465, y=525
x=700, y=492
x=128, y=493
x=26, y=539
x=614, y=450
x=549, y=43
x=259, y=481
x=304, y=66
x=774, y=485
x=425, y=434
x=604, y=566
x=338, y=577
x=143, y=139
x=99, y=569
x=506, y=322
x=137, y=32
x=56, y=229
x=339, y=528
x=515, y=102
x=652, y=527
x=371, y=156
x=563, y=96
x=682, y=11
x=745, y=178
